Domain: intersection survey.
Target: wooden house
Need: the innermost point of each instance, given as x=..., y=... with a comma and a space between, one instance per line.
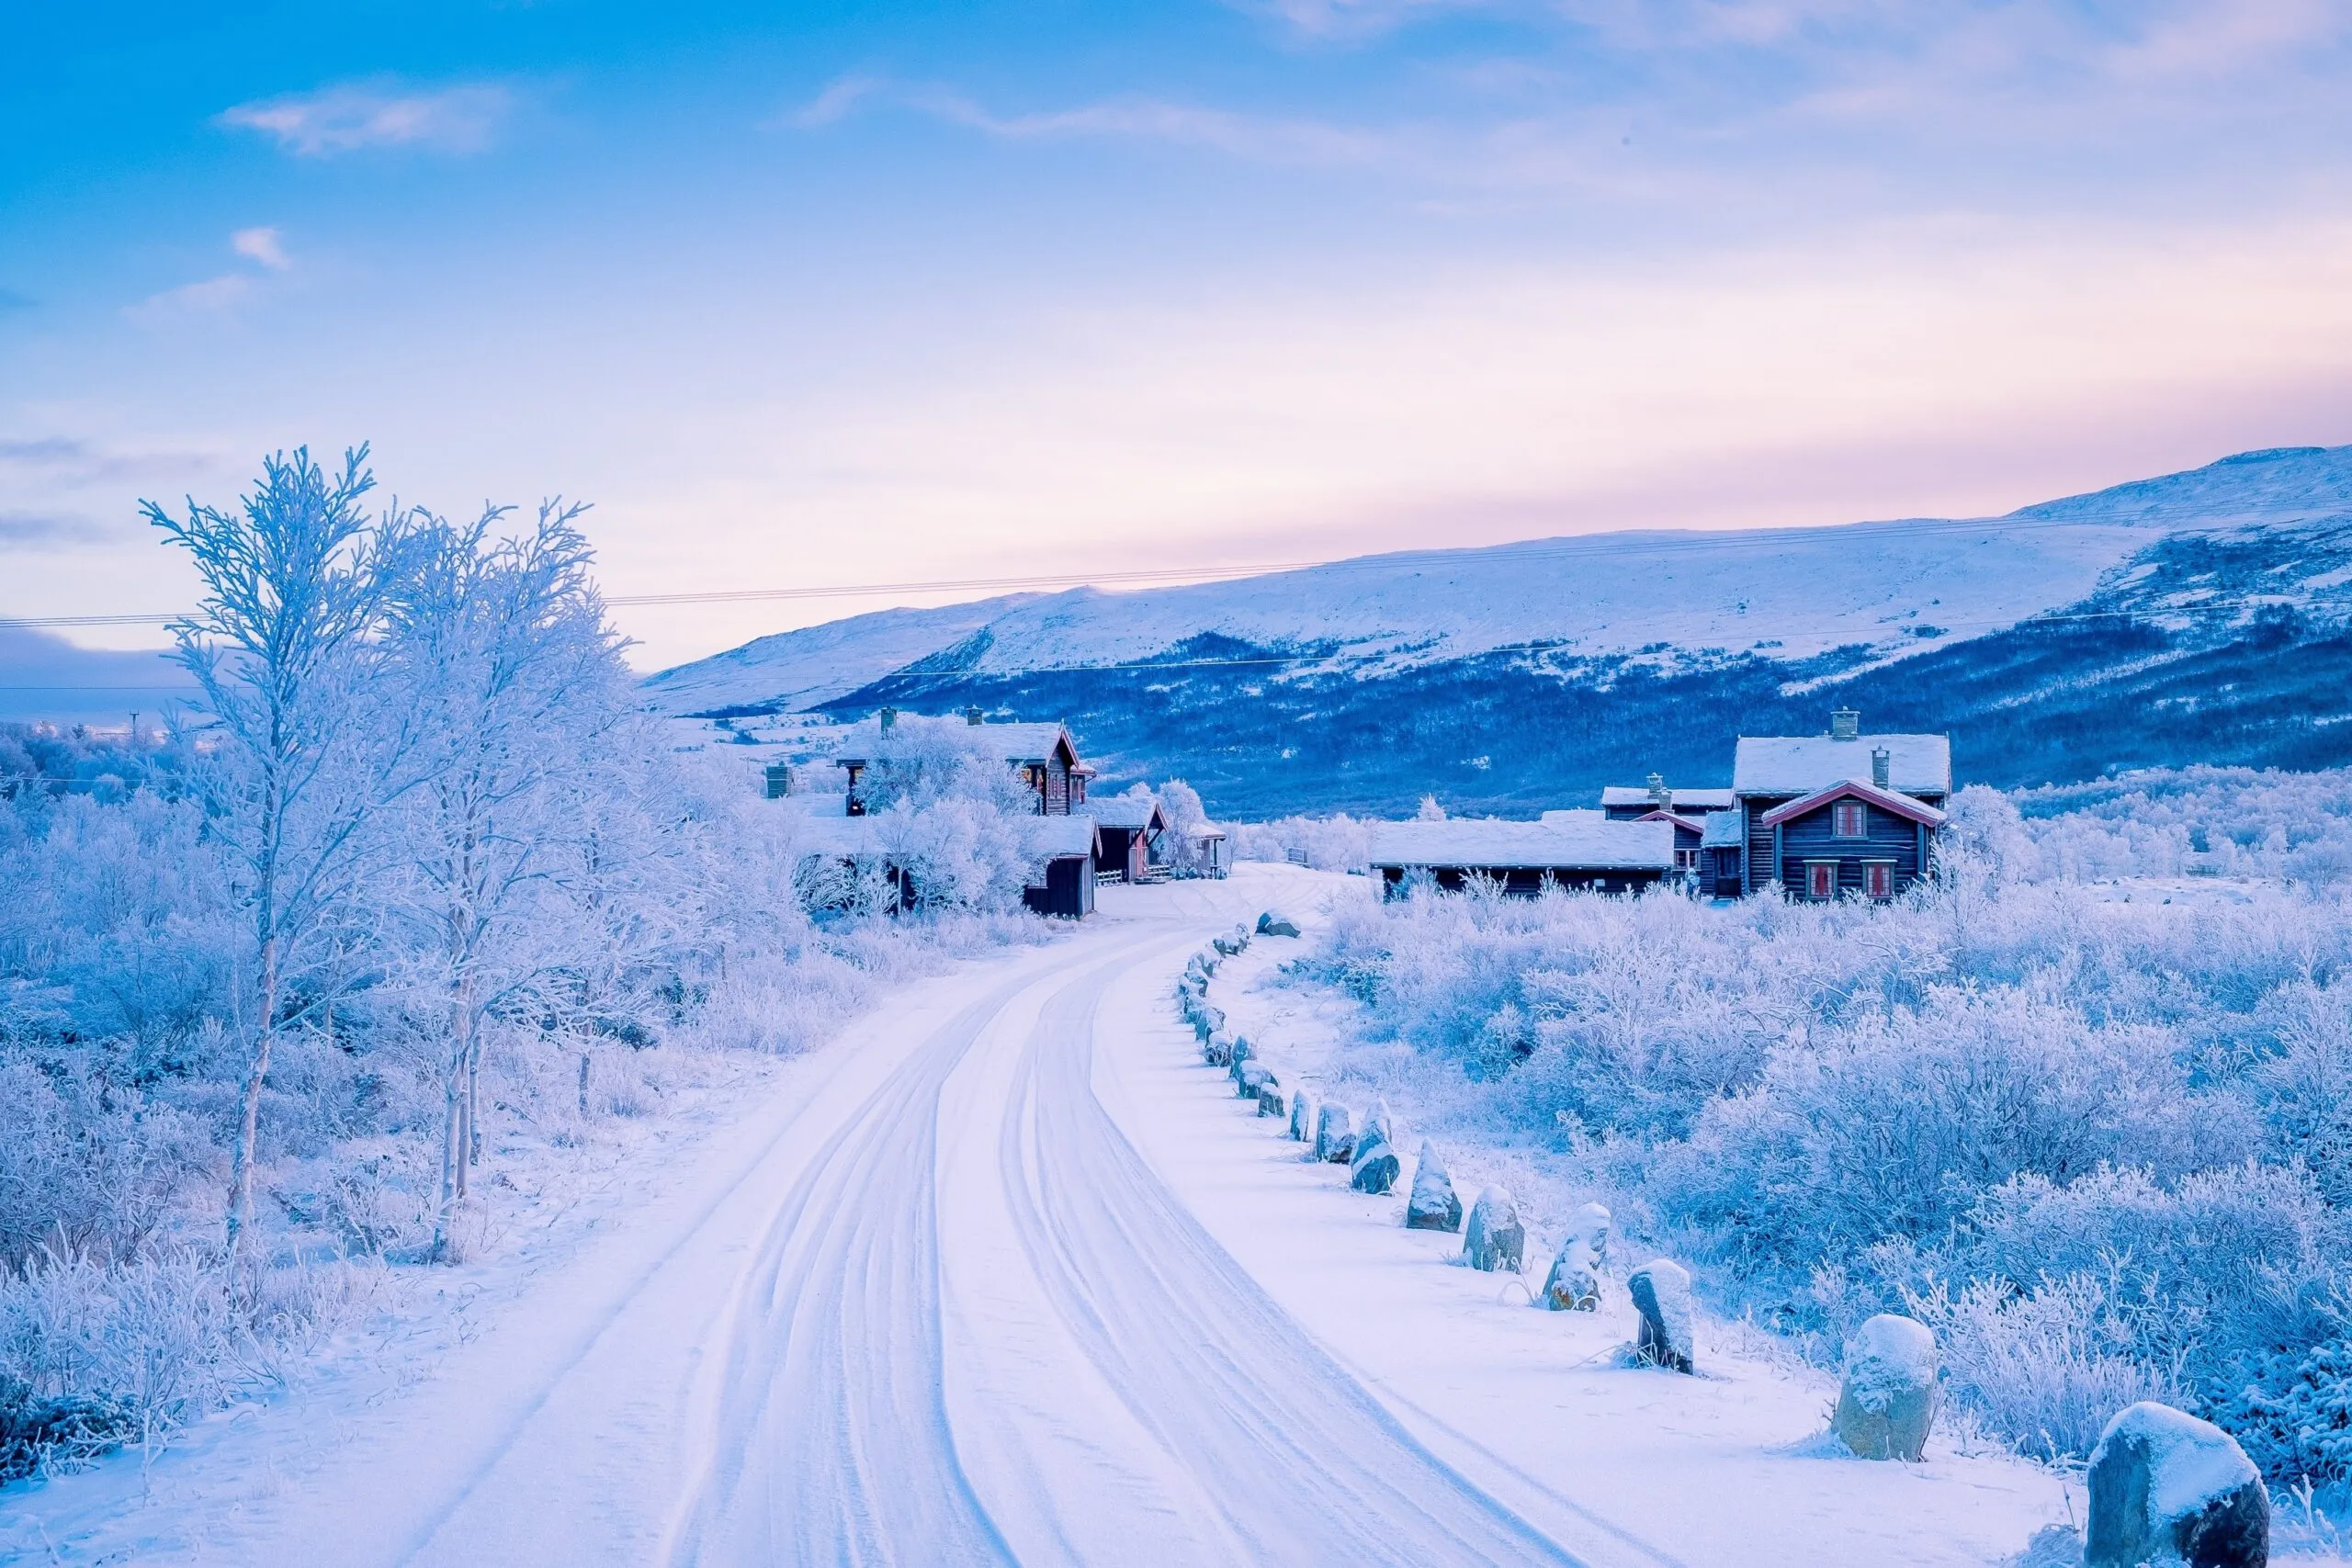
x=1212, y=851
x=1071, y=846
x=1042, y=755
x=1839, y=815
x=1689, y=809
x=1567, y=848
x=1129, y=828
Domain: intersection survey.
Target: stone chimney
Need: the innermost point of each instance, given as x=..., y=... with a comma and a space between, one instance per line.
x=887, y=717
x=1880, y=760
x=973, y=716
x=1660, y=796
x=1844, y=724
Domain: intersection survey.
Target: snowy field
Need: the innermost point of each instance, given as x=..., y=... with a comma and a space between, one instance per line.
x=1004, y=1273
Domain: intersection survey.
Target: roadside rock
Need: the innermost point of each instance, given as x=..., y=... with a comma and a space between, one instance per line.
x=1574, y=1284
x=1271, y=1100
x=1219, y=1050
x=1494, y=1239
x=1335, y=1134
x=1888, y=1401
x=1377, y=1124
x=1274, y=924
x=2166, y=1487
x=1375, y=1165
x=1661, y=1292
x=1432, y=1206
x=1251, y=1077
x=1302, y=1118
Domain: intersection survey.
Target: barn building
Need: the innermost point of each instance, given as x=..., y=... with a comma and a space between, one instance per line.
x=1567, y=849
x=1840, y=815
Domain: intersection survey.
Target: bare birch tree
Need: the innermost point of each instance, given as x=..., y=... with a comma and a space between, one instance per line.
x=296, y=757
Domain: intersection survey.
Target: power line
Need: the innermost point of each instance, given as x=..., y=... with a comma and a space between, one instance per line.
x=1603, y=546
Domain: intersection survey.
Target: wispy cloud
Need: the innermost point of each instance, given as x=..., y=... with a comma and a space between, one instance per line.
x=264, y=245
x=22, y=529
x=205, y=297
x=352, y=116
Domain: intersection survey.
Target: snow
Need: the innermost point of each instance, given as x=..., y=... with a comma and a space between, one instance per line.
x=1578, y=840
x=1888, y=1357
x=1790, y=593
x=2190, y=1462
x=1006, y=1273
x=1916, y=764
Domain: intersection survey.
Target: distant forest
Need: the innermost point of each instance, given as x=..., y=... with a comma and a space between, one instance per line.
x=1517, y=730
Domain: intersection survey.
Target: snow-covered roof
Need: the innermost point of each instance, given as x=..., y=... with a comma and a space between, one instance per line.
x=1723, y=831
x=1127, y=811
x=1019, y=743
x=1786, y=764
x=1688, y=824
x=1861, y=789
x=1591, y=841
x=1682, y=799
x=1065, y=838
x=1207, y=830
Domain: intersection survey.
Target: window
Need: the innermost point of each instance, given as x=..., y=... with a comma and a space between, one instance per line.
x=1878, y=878
x=1821, y=879
x=1686, y=860
x=1848, y=820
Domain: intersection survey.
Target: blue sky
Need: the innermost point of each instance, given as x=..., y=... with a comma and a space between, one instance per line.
x=824, y=294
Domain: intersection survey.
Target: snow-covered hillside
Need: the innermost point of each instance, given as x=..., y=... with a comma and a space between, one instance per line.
x=1787, y=593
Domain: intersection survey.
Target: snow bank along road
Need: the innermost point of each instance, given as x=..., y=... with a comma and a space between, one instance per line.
x=1006, y=1277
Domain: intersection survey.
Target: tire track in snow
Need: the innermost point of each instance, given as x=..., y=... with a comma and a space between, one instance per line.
x=828, y=1442
x=1305, y=1463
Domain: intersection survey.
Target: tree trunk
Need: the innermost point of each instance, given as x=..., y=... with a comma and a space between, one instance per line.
x=455, y=1130
x=240, y=1164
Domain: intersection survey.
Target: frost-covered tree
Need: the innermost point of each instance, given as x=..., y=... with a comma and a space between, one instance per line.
x=297, y=753
x=500, y=652
x=1179, y=803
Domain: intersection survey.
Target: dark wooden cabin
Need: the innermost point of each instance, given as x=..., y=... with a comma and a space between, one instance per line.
x=1129, y=828
x=1567, y=848
x=1067, y=891
x=1042, y=755
x=1839, y=815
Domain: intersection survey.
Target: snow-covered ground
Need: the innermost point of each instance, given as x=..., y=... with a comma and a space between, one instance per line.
x=1004, y=1273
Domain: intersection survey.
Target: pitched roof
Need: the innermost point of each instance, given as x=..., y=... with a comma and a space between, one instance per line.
x=1682, y=799
x=1065, y=838
x=1577, y=842
x=1783, y=764
x=1688, y=824
x=1019, y=743
x=1724, y=831
x=1861, y=789
x=1139, y=812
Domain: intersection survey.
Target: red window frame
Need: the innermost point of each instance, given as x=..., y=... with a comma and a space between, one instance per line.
x=1821, y=879
x=1878, y=879
x=1847, y=819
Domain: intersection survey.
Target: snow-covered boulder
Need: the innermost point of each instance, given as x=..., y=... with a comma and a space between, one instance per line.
x=1432, y=1206
x=1375, y=1165
x=1210, y=1022
x=1888, y=1400
x=1240, y=1058
x=1377, y=1124
x=1219, y=1050
x=1661, y=1292
x=1253, y=1077
x=1272, y=1099
x=1574, y=1283
x=1494, y=1239
x=1302, y=1118
x=1274, y=924
x=2166, y=1487
x=1335, y=1133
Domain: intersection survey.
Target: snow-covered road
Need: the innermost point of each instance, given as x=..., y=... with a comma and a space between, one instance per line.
x=1002, y=1277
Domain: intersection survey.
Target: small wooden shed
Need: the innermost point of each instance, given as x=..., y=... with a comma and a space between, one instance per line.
x=1567, y=848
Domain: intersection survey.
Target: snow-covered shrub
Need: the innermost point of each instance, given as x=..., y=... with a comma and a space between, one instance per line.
x=2100, y=1135
x=1337, y=842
